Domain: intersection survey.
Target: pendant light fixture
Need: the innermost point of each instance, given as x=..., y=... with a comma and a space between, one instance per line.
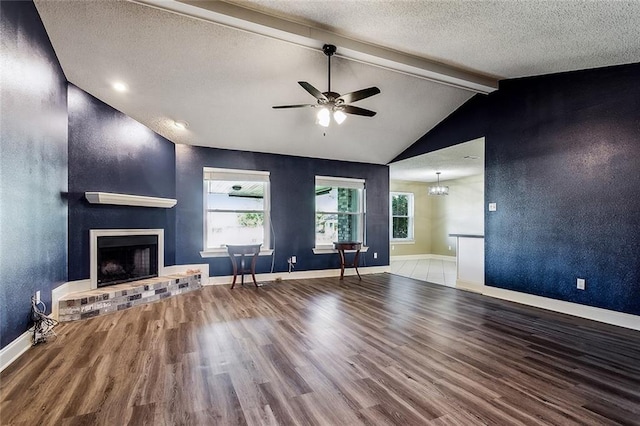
x=439, y=189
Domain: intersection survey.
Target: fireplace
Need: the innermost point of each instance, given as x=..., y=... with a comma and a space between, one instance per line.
x=127, y=258
x=124, y=255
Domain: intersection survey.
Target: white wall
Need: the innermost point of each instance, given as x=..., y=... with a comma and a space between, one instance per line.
x=460, y=212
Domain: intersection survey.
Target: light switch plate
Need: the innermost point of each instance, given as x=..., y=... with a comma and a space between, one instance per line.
x=580, y=284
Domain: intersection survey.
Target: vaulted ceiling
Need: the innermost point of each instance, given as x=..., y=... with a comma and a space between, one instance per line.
x=220, y=66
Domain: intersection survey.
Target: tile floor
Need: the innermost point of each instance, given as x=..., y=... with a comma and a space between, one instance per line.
x=433, y=270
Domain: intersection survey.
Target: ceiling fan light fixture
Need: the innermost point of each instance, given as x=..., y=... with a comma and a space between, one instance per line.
x=332, y=103
x=324, y=117
x=339, y=116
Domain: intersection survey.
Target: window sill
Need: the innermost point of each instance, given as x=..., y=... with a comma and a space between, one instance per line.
x=223, y=253
x=402, y=241
x=328, y=250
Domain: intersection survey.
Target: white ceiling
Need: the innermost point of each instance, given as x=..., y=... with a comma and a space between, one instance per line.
x=223, y=78
x=505, y=38
x=455, y=162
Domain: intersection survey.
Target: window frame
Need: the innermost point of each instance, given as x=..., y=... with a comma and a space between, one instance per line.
x=223, y=174
x=411, y=217
x=342, y=182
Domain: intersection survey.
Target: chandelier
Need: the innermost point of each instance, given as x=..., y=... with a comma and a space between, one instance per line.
x=438, y=189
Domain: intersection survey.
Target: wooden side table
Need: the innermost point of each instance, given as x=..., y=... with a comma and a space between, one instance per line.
x=341, y=246
x=240, y=251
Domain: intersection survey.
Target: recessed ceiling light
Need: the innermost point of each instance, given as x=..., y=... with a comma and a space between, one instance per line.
x=181, y=124
x=119, y=86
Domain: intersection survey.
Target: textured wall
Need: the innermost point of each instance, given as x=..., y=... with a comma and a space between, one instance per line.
x=111, y=152
x=292, y=206
x=33, y=167
x=468, y=122
x=562, y=162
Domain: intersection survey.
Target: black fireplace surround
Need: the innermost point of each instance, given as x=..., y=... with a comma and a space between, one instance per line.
x=126, y=258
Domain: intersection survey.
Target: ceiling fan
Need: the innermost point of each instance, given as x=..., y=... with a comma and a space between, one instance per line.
x=331, y=102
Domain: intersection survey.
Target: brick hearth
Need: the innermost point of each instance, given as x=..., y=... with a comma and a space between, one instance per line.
x=100, y=301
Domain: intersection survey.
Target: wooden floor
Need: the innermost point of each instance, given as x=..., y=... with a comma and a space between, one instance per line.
x=384, y=350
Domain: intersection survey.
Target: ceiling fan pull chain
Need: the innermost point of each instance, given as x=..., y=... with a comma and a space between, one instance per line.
x=329, y=74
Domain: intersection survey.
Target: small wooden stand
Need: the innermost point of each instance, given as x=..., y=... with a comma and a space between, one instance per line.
x=341, y=246
x=241, y=251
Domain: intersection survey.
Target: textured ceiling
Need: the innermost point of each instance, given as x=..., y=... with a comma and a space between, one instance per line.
x=455, y=162
x=507, y=39
x=223, y=80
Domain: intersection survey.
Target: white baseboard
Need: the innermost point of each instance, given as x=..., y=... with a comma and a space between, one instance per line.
x=182, y=269
x=300, y=275
x=64, y=289
x=423, y=257
x=583, y=311
x=13, y=350
x=469, y=286
x=443, y=257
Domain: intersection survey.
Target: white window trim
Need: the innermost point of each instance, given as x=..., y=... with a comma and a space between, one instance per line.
x=411, y=238
x=343, y=182
x=212, y=173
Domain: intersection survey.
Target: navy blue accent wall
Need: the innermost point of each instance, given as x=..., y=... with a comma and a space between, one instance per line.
x=111, y=152
x=468, y=122
x=292, y=206
x=563, y=166
x=33, y=168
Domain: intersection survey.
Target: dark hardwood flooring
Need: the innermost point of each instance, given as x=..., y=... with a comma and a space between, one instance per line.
x=384, y=350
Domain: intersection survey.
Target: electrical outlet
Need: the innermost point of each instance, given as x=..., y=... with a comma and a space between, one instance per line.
x=293, y=259
x=449, y=248
x=493, y=207
x=580, y=284
x=38, y=296
x=375, y=255
x=393, y=247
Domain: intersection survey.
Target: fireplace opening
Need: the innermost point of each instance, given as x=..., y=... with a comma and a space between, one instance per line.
x=126, y=258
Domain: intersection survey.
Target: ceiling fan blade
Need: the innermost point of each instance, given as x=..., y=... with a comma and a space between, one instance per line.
x=314, y=92
x=350, y=109
x=292, y=106
x=359, y=94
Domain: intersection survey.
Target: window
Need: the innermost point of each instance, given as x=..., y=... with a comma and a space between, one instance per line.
x=402, y=216
x=236, y=204
x=339, y=210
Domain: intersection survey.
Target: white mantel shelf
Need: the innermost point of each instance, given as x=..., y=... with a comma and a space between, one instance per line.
x=129, y=200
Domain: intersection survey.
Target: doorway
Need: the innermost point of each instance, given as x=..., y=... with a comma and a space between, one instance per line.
x=421, y=245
